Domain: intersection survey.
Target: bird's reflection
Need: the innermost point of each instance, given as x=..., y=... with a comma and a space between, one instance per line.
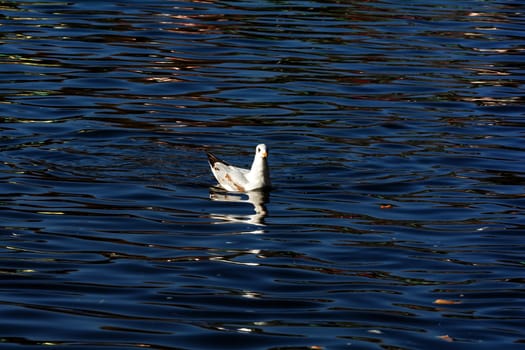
x=257, y=198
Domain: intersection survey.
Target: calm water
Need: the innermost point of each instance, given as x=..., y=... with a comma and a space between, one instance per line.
x=396, y=134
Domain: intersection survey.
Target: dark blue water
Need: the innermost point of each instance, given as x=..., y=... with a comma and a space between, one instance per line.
x=396, y=133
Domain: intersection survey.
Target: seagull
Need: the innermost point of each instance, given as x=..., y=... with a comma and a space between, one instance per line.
x=235, y=179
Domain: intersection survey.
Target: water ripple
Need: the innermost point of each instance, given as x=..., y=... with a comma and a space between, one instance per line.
x=395, y=133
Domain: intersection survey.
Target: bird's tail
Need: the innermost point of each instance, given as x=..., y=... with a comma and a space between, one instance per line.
x=212, y=159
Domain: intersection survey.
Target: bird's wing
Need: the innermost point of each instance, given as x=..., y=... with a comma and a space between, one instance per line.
x=230, y=177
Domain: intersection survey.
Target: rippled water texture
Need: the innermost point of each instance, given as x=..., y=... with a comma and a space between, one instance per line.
x=396, y=137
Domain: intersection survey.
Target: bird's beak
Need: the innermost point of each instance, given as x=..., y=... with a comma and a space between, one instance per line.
x=264, y=154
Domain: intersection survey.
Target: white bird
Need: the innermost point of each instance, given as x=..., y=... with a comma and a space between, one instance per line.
x=235, y=179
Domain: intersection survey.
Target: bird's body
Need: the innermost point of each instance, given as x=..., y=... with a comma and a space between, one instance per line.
x=236, y=179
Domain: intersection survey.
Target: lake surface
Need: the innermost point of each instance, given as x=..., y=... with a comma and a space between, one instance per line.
x=396, y=133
